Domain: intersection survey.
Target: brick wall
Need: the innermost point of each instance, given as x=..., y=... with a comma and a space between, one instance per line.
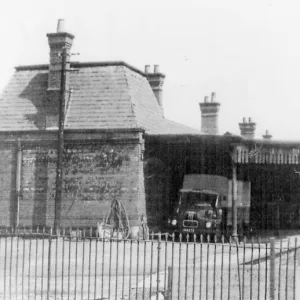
x=94, y=175
x=97, y=174
x=7, y=184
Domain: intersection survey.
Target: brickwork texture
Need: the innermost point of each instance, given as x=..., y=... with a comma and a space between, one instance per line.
x=94, y=175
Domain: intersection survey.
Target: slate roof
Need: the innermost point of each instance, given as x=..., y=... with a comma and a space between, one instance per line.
x=111, y=95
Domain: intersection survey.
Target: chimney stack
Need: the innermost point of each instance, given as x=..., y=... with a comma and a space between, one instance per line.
x=156, y=81
x=247, y=128
x=267, y=136
x=59, y=43
x=210, y=115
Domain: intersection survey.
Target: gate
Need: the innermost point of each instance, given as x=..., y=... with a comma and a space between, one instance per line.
x=74, y=264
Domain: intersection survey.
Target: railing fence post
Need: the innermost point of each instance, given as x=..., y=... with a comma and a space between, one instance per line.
x=49, y=263
x=272, y=268
x=296, y=272
x=158, y=263
x=169, y=287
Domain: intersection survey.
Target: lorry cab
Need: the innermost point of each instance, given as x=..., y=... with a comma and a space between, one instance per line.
x=204, y=205
x=198, y=212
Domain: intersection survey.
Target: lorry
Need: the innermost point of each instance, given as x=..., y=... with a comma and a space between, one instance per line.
x=204, y=206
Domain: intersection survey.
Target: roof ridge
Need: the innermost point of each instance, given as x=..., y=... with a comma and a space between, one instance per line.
x=131, y=101
x=76, y=64
x=183, y=125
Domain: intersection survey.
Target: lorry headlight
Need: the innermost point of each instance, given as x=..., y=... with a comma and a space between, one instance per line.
x=174, y=222
x=208, y=224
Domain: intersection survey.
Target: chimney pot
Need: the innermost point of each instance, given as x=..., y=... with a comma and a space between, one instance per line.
x=147, y=69
x=61, y=26
x=206, y=99
x=156, y=69
x=267, y=136
x=250, y=120
x=244, y=120
x=213, y=97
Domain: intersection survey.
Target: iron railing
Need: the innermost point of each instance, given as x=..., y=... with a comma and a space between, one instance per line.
x=74, y=264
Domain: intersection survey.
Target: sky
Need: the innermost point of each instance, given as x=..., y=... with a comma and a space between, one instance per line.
x=247, y=52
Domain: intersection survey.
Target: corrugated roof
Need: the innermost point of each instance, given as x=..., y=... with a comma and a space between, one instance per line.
x=103, y=96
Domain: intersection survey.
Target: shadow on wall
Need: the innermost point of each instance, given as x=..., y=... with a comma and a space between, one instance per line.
x=155, y=189
x=34, y=187
x=13, y=193
x=41, y=187
x=36, y=93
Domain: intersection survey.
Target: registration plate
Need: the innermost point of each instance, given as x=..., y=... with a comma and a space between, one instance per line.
x=188, y=230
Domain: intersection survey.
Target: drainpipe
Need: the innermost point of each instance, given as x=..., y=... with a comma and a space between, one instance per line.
x=18, y=180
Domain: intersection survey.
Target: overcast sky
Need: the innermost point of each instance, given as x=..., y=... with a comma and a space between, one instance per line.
x=248, y=52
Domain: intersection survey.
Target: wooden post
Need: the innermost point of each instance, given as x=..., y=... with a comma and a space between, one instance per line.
x=234, y=200
x=272, y=268
x=170, y=284
x=60, y=145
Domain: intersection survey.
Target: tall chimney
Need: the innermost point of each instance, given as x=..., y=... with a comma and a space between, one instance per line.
x=59, y=42
x=247, y=128
x=267, y=136
x=156, y=81
x=210, y=115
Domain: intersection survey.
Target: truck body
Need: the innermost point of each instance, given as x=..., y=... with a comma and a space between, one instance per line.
x=205, y=205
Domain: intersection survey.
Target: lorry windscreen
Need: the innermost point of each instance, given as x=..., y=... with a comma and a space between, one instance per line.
x=198, y=200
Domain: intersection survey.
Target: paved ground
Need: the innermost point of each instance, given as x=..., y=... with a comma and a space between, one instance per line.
x=112, y=270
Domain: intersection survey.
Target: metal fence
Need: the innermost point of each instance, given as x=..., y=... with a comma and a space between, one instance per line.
x=74, y=264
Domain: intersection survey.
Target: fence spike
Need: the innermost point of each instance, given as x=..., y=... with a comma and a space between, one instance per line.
x=180, y=237
x=201, y=238
x=173, y=237
x=187, y=238
x=195, y=238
